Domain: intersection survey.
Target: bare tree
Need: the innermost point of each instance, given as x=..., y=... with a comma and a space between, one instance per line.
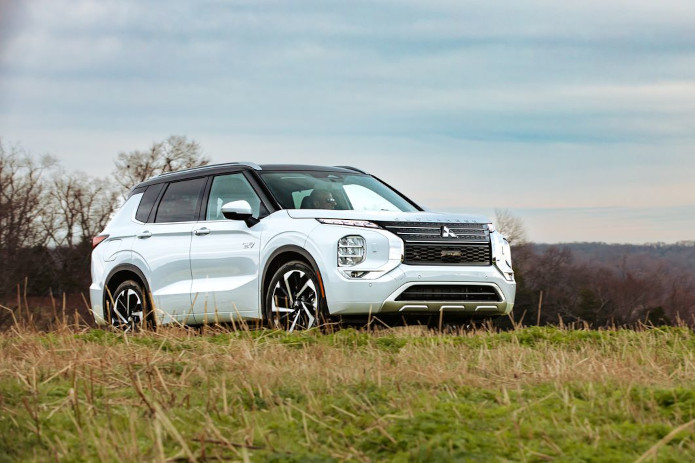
x=510, y=226
x=22, y=197
x=80, y=208
x=174, y=153
x=23, y=203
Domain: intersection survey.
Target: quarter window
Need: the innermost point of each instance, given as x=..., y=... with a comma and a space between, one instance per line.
x=147, y=202
x=228, y=188
x=180, y=201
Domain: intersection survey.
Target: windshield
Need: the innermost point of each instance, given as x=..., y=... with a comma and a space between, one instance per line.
x=333, y=190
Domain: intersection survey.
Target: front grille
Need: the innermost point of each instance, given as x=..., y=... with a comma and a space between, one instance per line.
x=450, y=293
x=425, y=254
x=443, y=243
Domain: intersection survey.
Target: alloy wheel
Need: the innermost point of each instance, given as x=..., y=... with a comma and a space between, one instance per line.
x=294, y=302
x=128, y=308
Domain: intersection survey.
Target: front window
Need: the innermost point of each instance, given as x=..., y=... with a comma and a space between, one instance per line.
x=334, y=190
x=228, y=188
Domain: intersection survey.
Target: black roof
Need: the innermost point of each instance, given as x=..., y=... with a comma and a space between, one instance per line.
x=213, y=169
x=300, y=167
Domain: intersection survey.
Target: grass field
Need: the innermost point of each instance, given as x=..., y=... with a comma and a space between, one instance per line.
x=407, y=394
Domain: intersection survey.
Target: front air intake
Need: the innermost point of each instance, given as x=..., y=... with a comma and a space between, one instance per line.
x=450, y=293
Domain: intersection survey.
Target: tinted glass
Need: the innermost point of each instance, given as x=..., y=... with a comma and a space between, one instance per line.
x=228, y=188
x=180, y=201
x=333, y=190
x=147, y=202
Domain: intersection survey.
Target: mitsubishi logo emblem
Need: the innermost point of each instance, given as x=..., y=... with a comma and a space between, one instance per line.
x=446, y=233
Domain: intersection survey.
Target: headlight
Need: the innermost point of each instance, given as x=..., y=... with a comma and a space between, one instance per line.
x=350, y=223
x=352, y=250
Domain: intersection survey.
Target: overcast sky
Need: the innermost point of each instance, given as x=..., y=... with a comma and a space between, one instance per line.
x=577, y=116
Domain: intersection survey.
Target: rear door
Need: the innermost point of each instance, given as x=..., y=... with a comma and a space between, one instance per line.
x=225, y=254
x=163, y=245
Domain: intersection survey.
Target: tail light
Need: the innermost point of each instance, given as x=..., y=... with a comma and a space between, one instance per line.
x=98, y=239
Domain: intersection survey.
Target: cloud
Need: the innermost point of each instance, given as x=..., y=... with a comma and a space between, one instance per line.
x=538, y=104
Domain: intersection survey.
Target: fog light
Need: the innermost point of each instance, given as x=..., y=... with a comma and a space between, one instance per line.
x=352, y=250
x=354, y=274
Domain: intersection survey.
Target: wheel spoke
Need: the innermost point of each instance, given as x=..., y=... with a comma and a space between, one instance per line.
x=311, y=318
x=276, y=307
x=309, y=284
x=123, y=320
x=127, y=306
x=287, y=285
x=294, y=322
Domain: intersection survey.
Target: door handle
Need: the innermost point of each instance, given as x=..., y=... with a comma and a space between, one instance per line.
x=201, y=231
x=143, y=235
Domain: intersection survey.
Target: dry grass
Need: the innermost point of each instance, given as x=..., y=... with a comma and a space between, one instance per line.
x=408, y=394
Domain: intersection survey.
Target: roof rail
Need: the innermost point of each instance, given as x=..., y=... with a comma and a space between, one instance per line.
x=252, y=165
x=353, y=169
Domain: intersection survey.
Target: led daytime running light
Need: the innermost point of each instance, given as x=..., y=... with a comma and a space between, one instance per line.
x=349, y=223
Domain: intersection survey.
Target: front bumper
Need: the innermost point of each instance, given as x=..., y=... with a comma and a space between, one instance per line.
x=96, y=295
x=355, y=297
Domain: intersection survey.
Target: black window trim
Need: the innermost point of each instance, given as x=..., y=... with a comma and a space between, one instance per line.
x=137, y=190
x=261, y=187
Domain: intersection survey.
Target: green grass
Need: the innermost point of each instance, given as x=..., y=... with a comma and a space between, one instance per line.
x=533, y=394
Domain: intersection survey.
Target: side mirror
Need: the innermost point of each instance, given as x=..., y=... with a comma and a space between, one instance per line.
x=239, y=210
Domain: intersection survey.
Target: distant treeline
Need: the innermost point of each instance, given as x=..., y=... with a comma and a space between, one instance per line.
x=605, y=284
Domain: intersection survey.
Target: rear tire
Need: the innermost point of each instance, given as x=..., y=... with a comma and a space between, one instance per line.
x=293, y=299
x=127, y=308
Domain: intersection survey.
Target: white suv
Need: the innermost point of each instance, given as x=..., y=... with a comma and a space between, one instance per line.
x=290, y=245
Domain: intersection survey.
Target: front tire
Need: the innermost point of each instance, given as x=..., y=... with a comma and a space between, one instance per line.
x=293, y=299
x=128, y=306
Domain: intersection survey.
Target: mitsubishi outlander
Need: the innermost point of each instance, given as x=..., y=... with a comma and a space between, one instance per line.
x=291, y=245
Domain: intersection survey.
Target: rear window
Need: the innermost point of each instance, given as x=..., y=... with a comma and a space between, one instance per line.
x=180, y=201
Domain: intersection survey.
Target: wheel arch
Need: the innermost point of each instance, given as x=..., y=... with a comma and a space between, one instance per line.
x=122, y=273
x=280, y=257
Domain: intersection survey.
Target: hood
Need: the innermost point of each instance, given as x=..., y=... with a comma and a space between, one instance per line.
x=386, y=216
